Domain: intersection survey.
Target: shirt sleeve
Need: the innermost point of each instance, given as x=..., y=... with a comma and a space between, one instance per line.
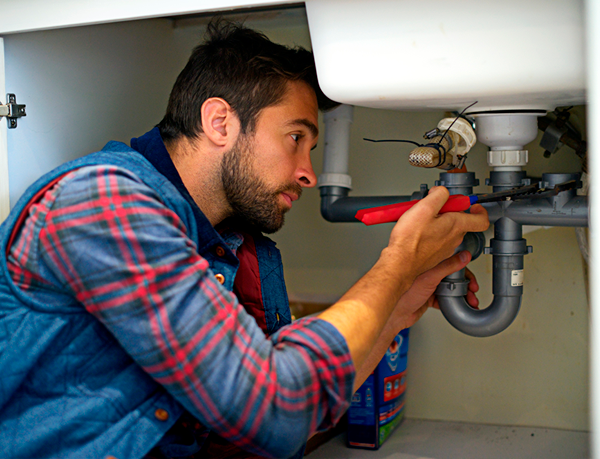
x=109, y=241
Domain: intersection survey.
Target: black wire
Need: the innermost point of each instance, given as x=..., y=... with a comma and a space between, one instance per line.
x=442, y=154
x=393, y=140
x=452, y=124
x=438, y=146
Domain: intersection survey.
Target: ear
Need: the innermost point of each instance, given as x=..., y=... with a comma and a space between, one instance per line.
x=219, y=122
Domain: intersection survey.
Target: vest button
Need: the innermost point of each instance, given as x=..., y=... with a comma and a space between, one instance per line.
x=220, y=251
x=220, y=278
x=161, y=415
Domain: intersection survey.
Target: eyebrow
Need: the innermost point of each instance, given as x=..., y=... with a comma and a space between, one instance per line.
x=314, y=130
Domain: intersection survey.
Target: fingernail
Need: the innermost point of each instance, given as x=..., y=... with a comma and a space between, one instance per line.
x=464, y=256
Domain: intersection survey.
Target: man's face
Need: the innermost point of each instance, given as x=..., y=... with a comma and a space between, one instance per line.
x=265, y=171
x=251, y=199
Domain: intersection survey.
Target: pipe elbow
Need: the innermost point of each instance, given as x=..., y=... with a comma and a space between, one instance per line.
x=332, y=209
x=480, y=322
x=327, y=212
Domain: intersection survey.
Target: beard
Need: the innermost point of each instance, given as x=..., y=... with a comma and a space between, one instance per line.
x=252, y=201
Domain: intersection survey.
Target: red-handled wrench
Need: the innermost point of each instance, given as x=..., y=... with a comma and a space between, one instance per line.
x=392, y=212
x=459, y=202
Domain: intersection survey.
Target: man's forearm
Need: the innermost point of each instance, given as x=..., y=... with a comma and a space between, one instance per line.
x=362, y=313
x=393, y=326
x=377, y=352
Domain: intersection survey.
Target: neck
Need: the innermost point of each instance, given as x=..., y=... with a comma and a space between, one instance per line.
x=201, y=174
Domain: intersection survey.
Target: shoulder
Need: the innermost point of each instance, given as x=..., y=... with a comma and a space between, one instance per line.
x=103, y=199
x=102, y=182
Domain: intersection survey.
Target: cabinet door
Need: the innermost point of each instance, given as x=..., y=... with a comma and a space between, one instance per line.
x=4, y=199
x=84, y=86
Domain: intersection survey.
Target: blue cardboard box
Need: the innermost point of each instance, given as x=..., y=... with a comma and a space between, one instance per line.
x=378, y=405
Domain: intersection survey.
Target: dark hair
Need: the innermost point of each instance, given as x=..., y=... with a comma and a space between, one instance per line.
x=244, y=68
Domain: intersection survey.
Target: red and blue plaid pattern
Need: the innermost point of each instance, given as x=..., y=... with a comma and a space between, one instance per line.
x=105, y=238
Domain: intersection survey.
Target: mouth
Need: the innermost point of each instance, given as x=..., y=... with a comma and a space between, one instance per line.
x=289, y=198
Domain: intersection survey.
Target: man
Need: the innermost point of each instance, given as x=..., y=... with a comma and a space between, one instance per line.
x=143, y=313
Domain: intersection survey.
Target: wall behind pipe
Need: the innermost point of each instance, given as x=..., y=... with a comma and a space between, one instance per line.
x=533, y=374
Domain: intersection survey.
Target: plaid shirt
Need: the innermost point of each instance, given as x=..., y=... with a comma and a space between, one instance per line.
x=102, y=236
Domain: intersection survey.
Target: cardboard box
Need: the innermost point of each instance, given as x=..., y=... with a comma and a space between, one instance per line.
x=378, y=405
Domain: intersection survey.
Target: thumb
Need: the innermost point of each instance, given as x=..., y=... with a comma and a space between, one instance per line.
x=432, y=203
x=437, y=197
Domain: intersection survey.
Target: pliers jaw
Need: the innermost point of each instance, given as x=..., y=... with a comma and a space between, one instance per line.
x=533, y=191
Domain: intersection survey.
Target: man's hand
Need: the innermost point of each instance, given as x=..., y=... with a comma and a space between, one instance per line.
x=413, y=304
x=420, y=296
x=419, y=243
x=472, y=290
x=423, y=238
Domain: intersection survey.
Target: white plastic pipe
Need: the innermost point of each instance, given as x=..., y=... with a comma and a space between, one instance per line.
x=507, y=134
x=506, y=131
x=337, y=147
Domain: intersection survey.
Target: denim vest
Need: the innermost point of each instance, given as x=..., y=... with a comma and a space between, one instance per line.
x=47, y=351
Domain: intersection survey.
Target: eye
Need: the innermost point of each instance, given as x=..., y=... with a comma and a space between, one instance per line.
x=296, y=137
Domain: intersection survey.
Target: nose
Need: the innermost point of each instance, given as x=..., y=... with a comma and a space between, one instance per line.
x=305, y=175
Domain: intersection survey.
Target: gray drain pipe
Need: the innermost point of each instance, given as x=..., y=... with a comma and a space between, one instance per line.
x=507, y=248
x=507, y=287
x=565, y=209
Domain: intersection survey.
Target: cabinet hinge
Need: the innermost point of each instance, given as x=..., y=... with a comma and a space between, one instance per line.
x=12, y=110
